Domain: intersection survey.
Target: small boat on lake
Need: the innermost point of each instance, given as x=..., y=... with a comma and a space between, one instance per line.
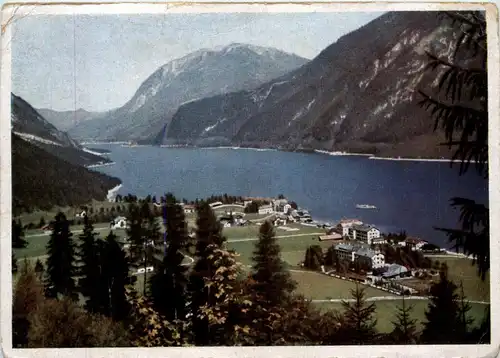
x=365, y=206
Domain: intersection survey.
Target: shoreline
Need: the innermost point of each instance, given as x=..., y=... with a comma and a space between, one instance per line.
x=90, y=143
x=223, y=147
x=113, y=192
x=99, y=165
x=339, y=153
x=86, y=150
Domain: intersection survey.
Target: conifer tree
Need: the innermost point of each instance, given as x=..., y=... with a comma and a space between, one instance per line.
x=61, y=268
x=442, y=313
x=18, y=241
x=208, y=232
x=314, y=257
x=464, y=321
x=39, y=268
x=273, y=283
x=359, y=321
x=116, y=272
x=405, y=328
x=14, y=263
x=169, y=283
x=145, y=239
x=90, y=281
x=460, y=108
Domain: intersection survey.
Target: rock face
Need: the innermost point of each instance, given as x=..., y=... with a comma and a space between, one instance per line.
x=29, y=125
x=359, y=95
x=197, y=75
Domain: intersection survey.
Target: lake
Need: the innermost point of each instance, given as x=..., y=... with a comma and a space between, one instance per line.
x=413, y=196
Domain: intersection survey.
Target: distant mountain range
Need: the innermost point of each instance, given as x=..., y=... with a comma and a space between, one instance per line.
x=66, y=120
x=357, y=95
x=47, y=164
x=200, y=74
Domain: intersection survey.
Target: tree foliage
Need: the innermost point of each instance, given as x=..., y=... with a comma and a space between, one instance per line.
x=18, y=241
x=314, y=257
x=405, y=327
x=61, y=269
x=272, y=282
x=28, y=295
x=359, y=319
x=145, y=239
x=208, y=234
x=460, y=108
x=90, y=282
x=442, y=314
x=168, y=285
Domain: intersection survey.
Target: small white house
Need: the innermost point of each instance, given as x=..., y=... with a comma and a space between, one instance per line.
x=266, y=209
x=81, y=214
x=414, y=243
x=188, y=209
x=119, y=223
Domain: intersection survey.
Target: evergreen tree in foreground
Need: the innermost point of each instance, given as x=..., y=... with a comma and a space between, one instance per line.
x=116, y=272
x=405, y=328
x=272, y=282
x=208, y=232
x=39, y=268
x=61, y=260
x=442, y=314
x=464, y=321
x=145, y=239
x=18, y=241
x=460, y=108
x=168, y=285
x=14, y=263
x=359, y=321
x=90, y=281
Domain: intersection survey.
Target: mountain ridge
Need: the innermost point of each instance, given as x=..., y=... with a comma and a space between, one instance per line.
x=196, y=75
x=358, y=94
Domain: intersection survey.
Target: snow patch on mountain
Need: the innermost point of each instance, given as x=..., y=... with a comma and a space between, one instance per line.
x=301, y=112
x=219, y=121
x=34, y=138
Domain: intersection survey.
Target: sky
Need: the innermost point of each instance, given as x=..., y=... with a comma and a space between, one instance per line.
x=103, y=59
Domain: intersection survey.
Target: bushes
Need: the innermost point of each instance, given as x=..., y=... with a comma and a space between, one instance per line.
x=38, y=322
x=58, y=324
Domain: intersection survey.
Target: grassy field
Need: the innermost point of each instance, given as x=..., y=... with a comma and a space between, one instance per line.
x=461, y=270
x=317, y=286
x=386, y=312
x=70, y=212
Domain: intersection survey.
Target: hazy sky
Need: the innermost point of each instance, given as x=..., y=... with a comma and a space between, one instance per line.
x=115, y=54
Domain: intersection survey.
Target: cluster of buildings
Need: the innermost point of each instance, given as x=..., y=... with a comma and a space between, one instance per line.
x=354, y=229
x=358, y=253
x=358, y=243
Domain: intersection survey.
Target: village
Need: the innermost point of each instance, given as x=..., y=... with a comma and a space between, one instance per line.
x=350, y=250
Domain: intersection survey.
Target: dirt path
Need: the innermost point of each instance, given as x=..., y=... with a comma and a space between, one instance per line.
x=72, y=231
x=388, y=298
x=278, y=237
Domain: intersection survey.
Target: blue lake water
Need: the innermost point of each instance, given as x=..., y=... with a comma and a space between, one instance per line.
x=413, y=196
